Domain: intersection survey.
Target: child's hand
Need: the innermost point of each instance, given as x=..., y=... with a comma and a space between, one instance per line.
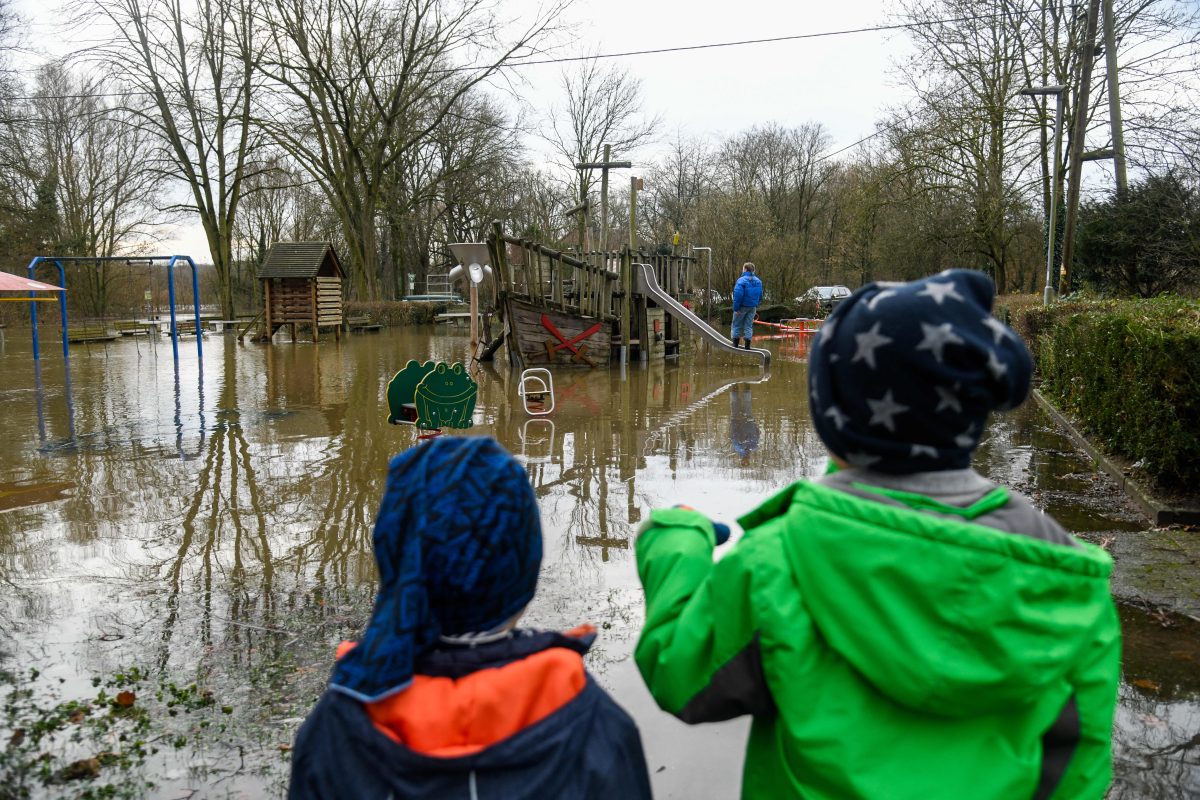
x=719, y=528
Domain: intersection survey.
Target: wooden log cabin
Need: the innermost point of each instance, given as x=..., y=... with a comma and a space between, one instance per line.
x=302, y=285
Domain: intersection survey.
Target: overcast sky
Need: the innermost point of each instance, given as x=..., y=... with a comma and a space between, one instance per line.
x=844, y=82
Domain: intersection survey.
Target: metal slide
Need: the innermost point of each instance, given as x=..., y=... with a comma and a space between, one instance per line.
x=647, y=284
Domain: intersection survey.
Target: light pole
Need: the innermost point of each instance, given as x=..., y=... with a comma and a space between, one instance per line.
x=708, y=296
x=1057, y=91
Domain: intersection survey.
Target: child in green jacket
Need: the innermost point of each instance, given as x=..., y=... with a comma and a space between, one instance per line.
x=902, y=627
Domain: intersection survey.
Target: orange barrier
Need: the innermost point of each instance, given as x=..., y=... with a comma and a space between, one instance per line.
x=798, y=326
x=792, y=331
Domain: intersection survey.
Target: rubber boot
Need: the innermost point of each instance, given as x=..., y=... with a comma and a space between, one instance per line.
x=737, y=342
x=747, y=345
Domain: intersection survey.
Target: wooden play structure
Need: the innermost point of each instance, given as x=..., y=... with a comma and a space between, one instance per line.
x=302, y=285
x=594, y=308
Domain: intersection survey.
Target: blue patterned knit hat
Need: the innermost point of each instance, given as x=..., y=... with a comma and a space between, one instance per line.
x=458, y=541
x=902, y=376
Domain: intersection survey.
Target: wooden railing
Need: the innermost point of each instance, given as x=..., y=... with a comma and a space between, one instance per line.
x=546, y=277
x=590, y=284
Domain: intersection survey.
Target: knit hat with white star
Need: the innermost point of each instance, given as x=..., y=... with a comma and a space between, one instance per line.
x=902, y=376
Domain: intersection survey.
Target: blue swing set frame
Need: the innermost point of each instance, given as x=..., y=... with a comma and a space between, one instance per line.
x=150, y=261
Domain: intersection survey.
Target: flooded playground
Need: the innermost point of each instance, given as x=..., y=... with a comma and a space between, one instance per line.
x=200, y=537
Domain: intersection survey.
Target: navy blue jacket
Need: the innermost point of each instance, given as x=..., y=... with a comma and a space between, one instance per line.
x=747, y=292
x=588, y=749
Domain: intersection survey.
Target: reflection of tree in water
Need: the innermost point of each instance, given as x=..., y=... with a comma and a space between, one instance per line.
x=1156, y=738
x=224, y=519
x=1156, y=746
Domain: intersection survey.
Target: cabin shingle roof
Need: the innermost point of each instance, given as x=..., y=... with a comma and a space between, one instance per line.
x=298, y=260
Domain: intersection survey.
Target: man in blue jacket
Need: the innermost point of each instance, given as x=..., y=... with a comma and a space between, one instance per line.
x=747, y=294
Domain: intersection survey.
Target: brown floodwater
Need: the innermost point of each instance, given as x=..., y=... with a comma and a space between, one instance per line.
x=212, y=524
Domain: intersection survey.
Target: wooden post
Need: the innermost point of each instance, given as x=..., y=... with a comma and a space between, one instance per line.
x=604, y=166
x=500, y=259
x=634, y=185
x=626, y=305
x=604, y=200
x=583, y=211
x=627, y=265
x=312, y=297
x=556, y=276
x=474, y=295
x=1114, y=99
x=1077, y=136
x=503, y=286
x=267, y=300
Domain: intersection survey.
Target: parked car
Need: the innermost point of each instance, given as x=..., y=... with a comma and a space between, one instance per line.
x=820, y=300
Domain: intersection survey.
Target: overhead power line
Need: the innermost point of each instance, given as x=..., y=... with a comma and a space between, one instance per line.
x=770, y=40
x=521, y=64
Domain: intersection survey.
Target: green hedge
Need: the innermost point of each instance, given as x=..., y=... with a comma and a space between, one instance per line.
x=1130, y=372
x=394, y=312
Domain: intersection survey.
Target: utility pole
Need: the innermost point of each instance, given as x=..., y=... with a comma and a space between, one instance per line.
x=1081, y=113
x=1114, y=99
x=604, y=166
x=1052, y=216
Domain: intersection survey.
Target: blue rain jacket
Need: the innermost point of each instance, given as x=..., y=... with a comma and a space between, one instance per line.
x=747, y=292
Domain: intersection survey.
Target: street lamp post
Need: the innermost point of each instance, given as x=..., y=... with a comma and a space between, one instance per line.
x=1057, y=91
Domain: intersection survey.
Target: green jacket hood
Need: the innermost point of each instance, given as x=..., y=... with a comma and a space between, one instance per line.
x=948, y=617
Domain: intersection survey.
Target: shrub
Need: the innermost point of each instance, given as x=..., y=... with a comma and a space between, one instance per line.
x=1008, y=306
x=1130, y=372
x=394, y=312
x=1141, y=243
x=1034, y=320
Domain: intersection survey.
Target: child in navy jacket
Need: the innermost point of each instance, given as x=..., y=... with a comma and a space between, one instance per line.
x=444, y=697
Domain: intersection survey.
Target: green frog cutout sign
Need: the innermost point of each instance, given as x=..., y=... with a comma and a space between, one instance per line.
x=432, y=396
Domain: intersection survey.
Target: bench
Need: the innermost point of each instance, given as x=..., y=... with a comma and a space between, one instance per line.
x=90, y=333
x=183, y=327
x=134, y=327
x=457, y=317
x=362, y=325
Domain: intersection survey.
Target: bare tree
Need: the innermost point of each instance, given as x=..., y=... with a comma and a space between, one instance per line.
x=535, y=205
x=675, y=186
x=361, y=85
x=448, y=188
x=10, y=27
x=966, y=75
x=107, y=187
x=603, y=105
x=195, y=63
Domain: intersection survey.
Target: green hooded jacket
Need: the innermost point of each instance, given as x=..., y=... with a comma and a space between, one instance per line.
x=885, y=652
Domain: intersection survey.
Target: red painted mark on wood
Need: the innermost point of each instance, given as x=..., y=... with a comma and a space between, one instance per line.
x=569, y=344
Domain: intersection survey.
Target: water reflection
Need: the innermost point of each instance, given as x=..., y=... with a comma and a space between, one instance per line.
x=215, y=520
